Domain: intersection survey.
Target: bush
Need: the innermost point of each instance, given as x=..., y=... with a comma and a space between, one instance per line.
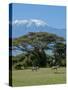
x=18, y=67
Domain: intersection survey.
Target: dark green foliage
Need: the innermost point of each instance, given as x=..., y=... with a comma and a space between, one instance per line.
x=18, y=66
x=60, y=53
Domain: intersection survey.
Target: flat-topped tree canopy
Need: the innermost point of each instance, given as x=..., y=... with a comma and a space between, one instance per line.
x=37, y=37
x=35, y=41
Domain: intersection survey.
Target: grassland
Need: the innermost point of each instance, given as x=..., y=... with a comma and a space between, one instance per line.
x=43, y=76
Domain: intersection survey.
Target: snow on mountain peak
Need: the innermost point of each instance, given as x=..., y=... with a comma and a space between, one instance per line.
x=38, y=22
x=29, y=22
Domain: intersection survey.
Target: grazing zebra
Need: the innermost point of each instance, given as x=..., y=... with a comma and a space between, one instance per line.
x=35, y=68
x=55, y=67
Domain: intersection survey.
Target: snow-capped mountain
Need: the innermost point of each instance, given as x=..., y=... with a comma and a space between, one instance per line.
x=21, y=27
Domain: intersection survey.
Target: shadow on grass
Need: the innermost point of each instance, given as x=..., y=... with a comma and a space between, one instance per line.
x=59, y=72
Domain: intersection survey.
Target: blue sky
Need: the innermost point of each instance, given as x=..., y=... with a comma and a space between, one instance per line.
x=55, y=16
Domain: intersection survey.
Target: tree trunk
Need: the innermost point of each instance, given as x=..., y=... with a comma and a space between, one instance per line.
x=41, y=57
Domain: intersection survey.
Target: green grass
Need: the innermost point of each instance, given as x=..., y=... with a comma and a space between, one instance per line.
x=43, y=76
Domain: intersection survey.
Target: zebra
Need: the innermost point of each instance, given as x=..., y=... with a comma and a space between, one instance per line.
x=55, y=67
x=35, y=68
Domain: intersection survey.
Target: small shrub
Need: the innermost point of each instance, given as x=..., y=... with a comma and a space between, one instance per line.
x=18, y=67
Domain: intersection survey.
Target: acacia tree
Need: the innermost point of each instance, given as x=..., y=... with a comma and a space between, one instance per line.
x=35, y=44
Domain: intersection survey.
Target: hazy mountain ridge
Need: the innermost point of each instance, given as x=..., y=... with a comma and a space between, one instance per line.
x=22, y=27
